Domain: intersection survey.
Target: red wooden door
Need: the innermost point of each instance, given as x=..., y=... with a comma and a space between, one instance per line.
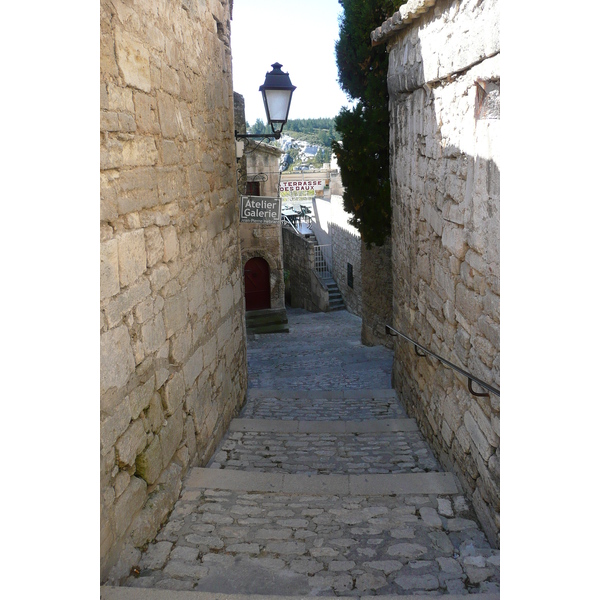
x=256, y=284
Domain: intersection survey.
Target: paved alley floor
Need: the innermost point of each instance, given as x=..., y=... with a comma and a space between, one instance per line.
x=322, y=351
x=321, y=487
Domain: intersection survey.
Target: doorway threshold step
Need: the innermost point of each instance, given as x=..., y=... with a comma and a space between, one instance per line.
x=272, y=320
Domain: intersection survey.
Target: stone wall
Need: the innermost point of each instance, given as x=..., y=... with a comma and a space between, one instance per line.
x=173, y=355
x=330, y=226
x=263, y=166
x=346, y=250
x=444, y=84
x=376, y=275
x=305, y=289
x=261, y=162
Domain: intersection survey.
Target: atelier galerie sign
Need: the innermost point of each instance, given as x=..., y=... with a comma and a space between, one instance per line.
x=260, y=209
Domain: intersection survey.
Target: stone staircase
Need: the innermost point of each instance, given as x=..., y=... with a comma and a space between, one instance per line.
x=336, y=302
x=271, y=320
x=318, y=493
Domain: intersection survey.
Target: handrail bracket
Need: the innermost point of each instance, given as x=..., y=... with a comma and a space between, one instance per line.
x=424, y=352
x=417, y=351
x=478, y=394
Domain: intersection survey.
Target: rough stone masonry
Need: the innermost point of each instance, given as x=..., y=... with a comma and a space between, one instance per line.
x=173, y=355
x=444, y=86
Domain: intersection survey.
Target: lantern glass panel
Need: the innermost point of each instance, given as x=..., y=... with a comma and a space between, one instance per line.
x=277, y=104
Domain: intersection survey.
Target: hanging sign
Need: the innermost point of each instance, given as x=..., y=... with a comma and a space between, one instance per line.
x=260, y=209
x=301, y=185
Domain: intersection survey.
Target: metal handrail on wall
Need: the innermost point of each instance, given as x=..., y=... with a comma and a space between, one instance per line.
x=393, y=332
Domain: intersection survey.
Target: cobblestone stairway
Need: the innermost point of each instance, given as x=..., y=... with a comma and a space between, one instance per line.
x=327, y=493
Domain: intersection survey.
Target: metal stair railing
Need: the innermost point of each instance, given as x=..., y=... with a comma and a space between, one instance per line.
x=323, y=261
x=393, y=332
x=286, y=221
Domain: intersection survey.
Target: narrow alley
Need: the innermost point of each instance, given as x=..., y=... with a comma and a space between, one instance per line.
x=322, y=486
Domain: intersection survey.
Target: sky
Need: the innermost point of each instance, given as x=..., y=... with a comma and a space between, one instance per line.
x=299, y=34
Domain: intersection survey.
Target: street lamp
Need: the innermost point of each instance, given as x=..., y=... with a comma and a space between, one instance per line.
x=277, y=93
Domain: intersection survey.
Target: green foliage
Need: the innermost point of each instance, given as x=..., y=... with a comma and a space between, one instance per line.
x=320, y=132
x=259, y=127
x=363, y=153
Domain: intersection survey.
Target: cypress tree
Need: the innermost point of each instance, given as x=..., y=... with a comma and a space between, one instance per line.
x=363, y=153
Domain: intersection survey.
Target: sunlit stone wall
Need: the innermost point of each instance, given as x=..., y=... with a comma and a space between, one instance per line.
x=444, y=85
x=173, y=355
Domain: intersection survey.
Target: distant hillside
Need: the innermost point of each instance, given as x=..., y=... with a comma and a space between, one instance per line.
x=320, y=132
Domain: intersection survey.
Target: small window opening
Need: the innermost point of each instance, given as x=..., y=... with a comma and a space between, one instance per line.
x=253, y=188
x=350, y=276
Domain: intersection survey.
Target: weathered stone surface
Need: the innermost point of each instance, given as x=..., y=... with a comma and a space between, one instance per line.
x=174, y=393
x=139, y=399
x=134, y=61
x=153, y=334
x=109, y=269
x=171, y=243
x=113, y=426
x=175, y=312
x=171, y=435
x=193, y=367
x=132, y=256
x=477, y=436
x=116, y=358
x=156, y=555
x=149, y=463
x=166, y=90
x=129, y=503
x=131, y=443
x=445, y=200
x=125, y=302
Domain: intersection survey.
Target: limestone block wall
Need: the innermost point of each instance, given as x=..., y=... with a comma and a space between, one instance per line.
x=304, y=286
x=239, y=121
x=173, y=355
x=376, y=276
x=345, y=250
x=444, y=84
x=263, y=166
x=330, y=226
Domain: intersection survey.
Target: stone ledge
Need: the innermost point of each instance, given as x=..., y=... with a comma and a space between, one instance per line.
x=407, y=13
x=278, y=426
x=254, y=393
x=125, y=593
x=357, y=485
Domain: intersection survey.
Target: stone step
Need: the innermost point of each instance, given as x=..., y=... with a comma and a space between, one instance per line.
x=278, y=426
x=272, y=320
x=127, y=593
x=322, y=405
x=335, y=306
x=272, y=328
x=253, y=533
x=339, y=485
x=351, y=394
x=324, y=447
x=269, y=315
